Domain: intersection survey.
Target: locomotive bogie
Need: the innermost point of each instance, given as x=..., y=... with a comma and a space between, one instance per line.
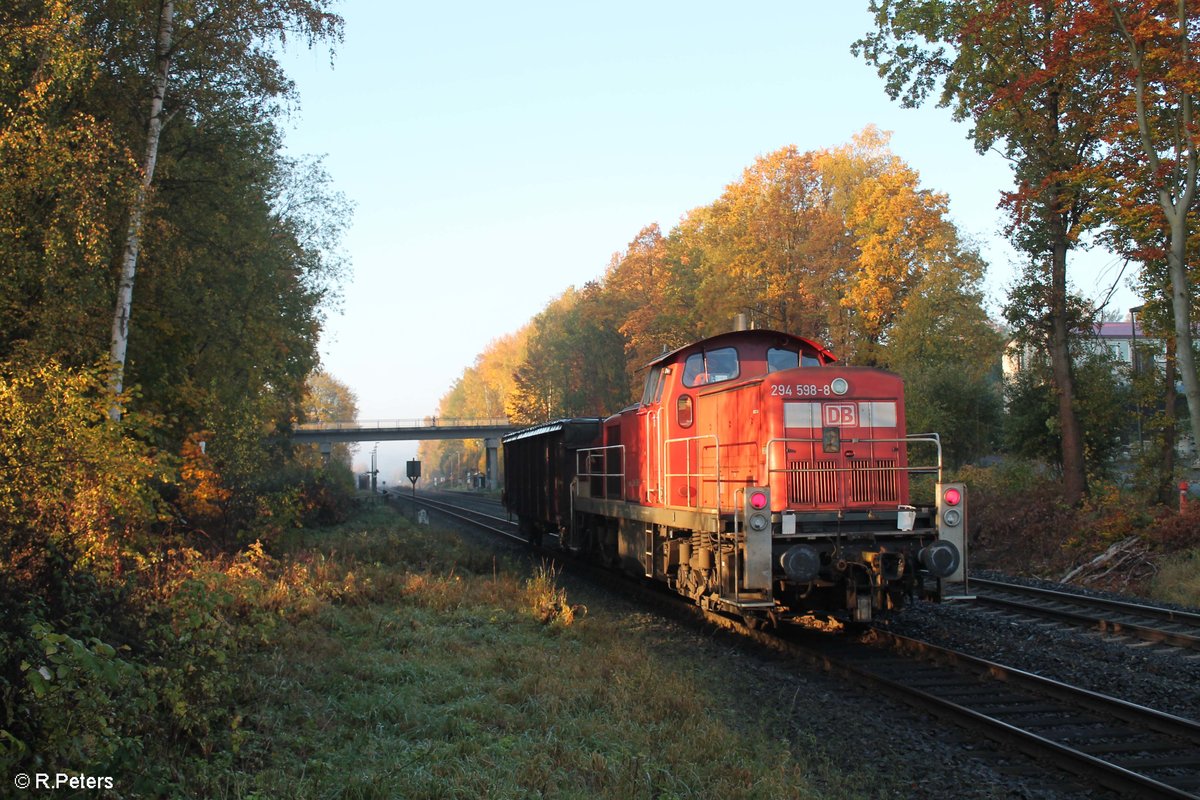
x=757, y=476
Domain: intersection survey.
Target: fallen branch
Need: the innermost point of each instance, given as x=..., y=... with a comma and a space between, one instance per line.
x=1119, y=549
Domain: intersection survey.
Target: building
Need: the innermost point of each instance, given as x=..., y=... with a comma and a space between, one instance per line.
x=1123, y=340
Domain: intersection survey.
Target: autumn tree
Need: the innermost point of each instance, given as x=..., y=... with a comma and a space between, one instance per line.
x=1147, y=51
x=648, y=287
x=828, y=244
x=898, y=236
x=991, y=63
x=62, y=169
x=326, y=399
x=772, y=246
x=574, y=363
x=949, y=352
x=481, y=392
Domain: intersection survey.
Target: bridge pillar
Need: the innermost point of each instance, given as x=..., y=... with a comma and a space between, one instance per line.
x=326, y=451
x=491, y=446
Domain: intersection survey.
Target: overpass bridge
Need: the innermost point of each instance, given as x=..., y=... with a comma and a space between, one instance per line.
x=406, y=430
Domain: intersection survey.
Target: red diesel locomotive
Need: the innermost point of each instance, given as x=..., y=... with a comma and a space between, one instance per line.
x=756, y=476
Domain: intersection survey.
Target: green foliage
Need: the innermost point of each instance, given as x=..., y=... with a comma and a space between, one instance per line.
x=949, y=353
x=1031, y=424
x=86, y=697
x=230, y=293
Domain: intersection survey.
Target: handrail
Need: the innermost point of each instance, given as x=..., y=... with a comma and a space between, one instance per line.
x=688, y=466
x=587, y=452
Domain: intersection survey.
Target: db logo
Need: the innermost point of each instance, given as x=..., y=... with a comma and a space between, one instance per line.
x=841, y=414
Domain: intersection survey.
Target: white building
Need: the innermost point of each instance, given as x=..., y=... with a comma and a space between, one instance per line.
x=1119, y=338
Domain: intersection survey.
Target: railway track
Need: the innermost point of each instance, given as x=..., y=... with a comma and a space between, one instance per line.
x=483, y=513
x=1115, y=745
x=1146, y=622
x=1120, y=746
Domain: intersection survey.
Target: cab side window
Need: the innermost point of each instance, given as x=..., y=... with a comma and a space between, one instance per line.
x=653, y=386
x=710, y=366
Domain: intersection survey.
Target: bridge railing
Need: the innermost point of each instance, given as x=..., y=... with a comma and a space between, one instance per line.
x=424, y=422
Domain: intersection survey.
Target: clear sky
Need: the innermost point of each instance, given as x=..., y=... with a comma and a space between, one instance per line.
x=499, y=153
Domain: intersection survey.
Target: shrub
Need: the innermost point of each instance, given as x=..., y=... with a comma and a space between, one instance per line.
x=548, y=600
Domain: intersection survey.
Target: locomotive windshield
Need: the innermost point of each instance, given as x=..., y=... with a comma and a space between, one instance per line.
x=781, y=358
x=710, y=366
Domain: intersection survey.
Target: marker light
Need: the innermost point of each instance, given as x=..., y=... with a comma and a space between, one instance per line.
x=952, y=496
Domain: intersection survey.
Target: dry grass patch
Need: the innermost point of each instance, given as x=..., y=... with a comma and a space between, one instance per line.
x=1178, y=579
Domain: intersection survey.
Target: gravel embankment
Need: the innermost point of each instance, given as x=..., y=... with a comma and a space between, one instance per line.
x=1158, y=676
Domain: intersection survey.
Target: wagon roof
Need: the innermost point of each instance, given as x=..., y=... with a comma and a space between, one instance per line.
x=578, y=427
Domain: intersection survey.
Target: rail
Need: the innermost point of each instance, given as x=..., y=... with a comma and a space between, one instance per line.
x=1148, y=623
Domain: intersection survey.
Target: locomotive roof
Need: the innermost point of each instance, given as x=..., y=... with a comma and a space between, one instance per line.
x=758, y=334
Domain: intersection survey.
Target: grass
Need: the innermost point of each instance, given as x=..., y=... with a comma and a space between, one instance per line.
x=444, y=673
x=1178, y=579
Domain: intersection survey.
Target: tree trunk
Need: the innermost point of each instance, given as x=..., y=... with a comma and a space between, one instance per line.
x=1167, y=488
x=1074, y=472
x=1181, y=310
x=129, y=256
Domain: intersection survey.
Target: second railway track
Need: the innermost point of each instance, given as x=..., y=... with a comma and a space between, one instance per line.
x=1146, y=622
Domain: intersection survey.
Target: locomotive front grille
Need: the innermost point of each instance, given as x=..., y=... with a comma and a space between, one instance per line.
x=873, y=481
x=812, y=483
x=864, y=481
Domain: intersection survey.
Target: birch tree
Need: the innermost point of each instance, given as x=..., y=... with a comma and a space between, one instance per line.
x=214, y=52
x=137, y=211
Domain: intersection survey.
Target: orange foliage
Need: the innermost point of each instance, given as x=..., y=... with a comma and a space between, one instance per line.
x=202, y=498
